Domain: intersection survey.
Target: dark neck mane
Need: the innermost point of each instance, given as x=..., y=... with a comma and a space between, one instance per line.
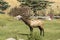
x=26, y=21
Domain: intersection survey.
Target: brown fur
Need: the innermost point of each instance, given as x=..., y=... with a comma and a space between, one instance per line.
x=33, y=24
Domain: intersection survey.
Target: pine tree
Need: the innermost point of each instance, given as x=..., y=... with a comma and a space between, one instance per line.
x=36, y=4
x=3, y=6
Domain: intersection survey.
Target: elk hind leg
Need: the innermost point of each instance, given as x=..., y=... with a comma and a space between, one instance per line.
x=41, y=30
x=31, y=30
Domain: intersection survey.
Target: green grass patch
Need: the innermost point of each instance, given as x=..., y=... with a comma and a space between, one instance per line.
x=17, y=29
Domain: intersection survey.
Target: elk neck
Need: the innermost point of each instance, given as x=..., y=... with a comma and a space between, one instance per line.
x=26, y=21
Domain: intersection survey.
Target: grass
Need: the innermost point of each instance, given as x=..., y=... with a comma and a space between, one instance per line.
x=17, y=29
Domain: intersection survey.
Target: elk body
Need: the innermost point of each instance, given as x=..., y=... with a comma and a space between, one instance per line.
x=36, y=23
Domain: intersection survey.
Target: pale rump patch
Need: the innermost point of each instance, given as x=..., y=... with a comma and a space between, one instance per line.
x=35, y=23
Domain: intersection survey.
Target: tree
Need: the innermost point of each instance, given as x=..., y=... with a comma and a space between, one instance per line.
x=3, y=5
x=35, y=4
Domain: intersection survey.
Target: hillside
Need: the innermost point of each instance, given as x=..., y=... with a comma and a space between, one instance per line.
x=12, y=3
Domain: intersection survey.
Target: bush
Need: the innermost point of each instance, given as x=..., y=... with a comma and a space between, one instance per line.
x=24, y=11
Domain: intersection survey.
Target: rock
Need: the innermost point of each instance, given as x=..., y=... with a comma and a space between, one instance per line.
x=10, y=39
